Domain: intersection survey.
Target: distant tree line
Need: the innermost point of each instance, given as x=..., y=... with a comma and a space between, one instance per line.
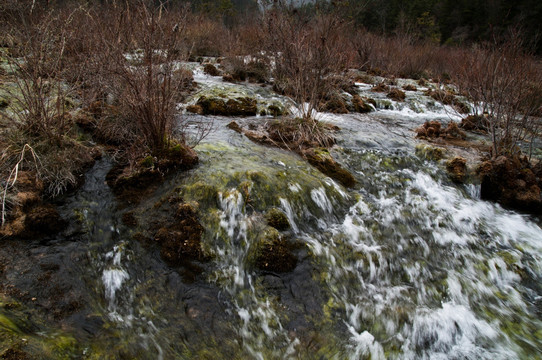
x=451, y=22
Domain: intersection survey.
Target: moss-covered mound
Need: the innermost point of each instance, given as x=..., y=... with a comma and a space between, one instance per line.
x=277, y=219
x=129, y=182
x=243, y=106
x=322, y=160
x=396, y=94
x=433, y=129
x=475, y=123
x=513, y=182
x=31, y=217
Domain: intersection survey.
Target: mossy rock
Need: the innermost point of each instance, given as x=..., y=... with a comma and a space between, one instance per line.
x=475, y=123
x=275, y=110
x=277, y=219
x=322, y=160
x=203, y=193
x=131, y=183
x=274, y=253
x=380, y=88
x=233, y=107
x=410, y=87
x=429, y=152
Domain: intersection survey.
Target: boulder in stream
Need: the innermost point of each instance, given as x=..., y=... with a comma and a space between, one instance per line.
x=243, y=106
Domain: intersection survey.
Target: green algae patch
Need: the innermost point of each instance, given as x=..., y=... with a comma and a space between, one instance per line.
x=429, y=152
x=277, y=219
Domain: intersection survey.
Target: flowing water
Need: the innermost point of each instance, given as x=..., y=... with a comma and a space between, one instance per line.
x=406, y=265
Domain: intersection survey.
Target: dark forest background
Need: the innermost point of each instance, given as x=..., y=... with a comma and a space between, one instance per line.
x=450, y=22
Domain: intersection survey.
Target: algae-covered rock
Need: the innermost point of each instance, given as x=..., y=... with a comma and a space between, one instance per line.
x=243, y=106
x=322, y=160
x=277, y=219
x=457, y=168
x=430, y=152
x=205, y=194
x=274, y=253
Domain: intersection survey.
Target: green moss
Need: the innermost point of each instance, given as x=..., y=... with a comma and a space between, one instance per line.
x=429, y=152
x=6, y=324
x=277, y=219
x=147, y=162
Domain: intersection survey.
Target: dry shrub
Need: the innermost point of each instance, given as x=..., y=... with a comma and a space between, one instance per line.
x=298, y=134
x=205, y=37
x=504, y=82
x=145, y=83
x=307, y=51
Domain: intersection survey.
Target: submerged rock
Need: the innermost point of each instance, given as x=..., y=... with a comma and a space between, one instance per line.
x=430, y=152
x=274, y=253
x=322, y=160
x=181, y=240
x=277, y=219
